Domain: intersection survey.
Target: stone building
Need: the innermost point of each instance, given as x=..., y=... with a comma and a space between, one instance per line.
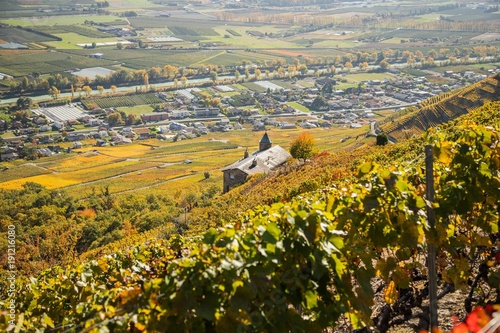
x=264, y=160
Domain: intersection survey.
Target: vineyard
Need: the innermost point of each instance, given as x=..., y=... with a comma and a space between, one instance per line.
x=87, y=32
x=121, y=101
x=233, y=32
x=46, y=62
x=301, y=263
x=440, y=109
x=191, y=31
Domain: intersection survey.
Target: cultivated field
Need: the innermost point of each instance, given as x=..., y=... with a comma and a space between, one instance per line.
x=138, y=167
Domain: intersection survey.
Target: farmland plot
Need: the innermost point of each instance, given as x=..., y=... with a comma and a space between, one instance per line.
x=120, y=101
x=268, y=85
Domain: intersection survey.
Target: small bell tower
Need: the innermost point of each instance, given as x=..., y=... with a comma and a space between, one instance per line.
x=265, y=143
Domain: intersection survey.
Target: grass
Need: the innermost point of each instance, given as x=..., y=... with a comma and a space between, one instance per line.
x=137, y=110
x=131, y=4
x=239, y=87
x=64, y=20
x=246, y=40
x=73, y=38
x=306, y=83
x=368, y=76
x=299, y=106
x=336, y=43
x=483, y=68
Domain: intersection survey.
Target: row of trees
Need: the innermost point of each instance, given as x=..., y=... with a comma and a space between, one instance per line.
x=53, y=84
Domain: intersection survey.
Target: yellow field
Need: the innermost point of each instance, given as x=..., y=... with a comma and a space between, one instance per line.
x=51, y=181
x=139, y=168
x=126, y=151
x=83, y=161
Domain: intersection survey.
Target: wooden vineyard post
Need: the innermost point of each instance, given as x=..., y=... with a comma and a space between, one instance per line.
x=431, y=248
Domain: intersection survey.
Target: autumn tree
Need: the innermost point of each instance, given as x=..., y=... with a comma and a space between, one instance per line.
x=384, y=65
x=132, y=119
x=304, y=147
x=54, y=92
x=115, y=119
x=348, y=65
x=87, y=90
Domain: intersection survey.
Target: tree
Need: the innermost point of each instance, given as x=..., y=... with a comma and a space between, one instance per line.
x=87, y=90
x=303, y=147
x=257, y=72
x=54, y=92
x=348, y=65
x=384, y=65
x=119, y=46
x=382, y=139
x=132, y=119
x=114, y=119
x=214, y=76
x=319, y=104
x=23, y=103
x=101, y=89
x=327, y=88
x=25, y=83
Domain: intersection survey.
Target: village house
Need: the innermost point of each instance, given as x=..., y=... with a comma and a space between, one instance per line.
x=264, y=160
x=180, y=114
x=206, y=112
x=143, y=133
x=154, y=117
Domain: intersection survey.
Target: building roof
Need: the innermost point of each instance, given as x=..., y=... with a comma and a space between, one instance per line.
x=261, y=161
x=265, y=139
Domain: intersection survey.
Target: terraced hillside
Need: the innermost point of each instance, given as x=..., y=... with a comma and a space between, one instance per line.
x=443, y=108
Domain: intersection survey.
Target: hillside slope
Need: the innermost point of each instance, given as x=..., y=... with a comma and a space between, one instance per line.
x=302, y=264
x=443, y=108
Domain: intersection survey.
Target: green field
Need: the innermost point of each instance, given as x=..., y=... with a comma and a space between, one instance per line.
x=299, y=106
x=481, y=68
x=16, y=35
x=246, y=40
x=45, y=62
x=65, y=20
x=359, y=77
x=137, y=110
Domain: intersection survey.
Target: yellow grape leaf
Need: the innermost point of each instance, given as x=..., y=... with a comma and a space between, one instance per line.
x=391, y=293
x=443, y=152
